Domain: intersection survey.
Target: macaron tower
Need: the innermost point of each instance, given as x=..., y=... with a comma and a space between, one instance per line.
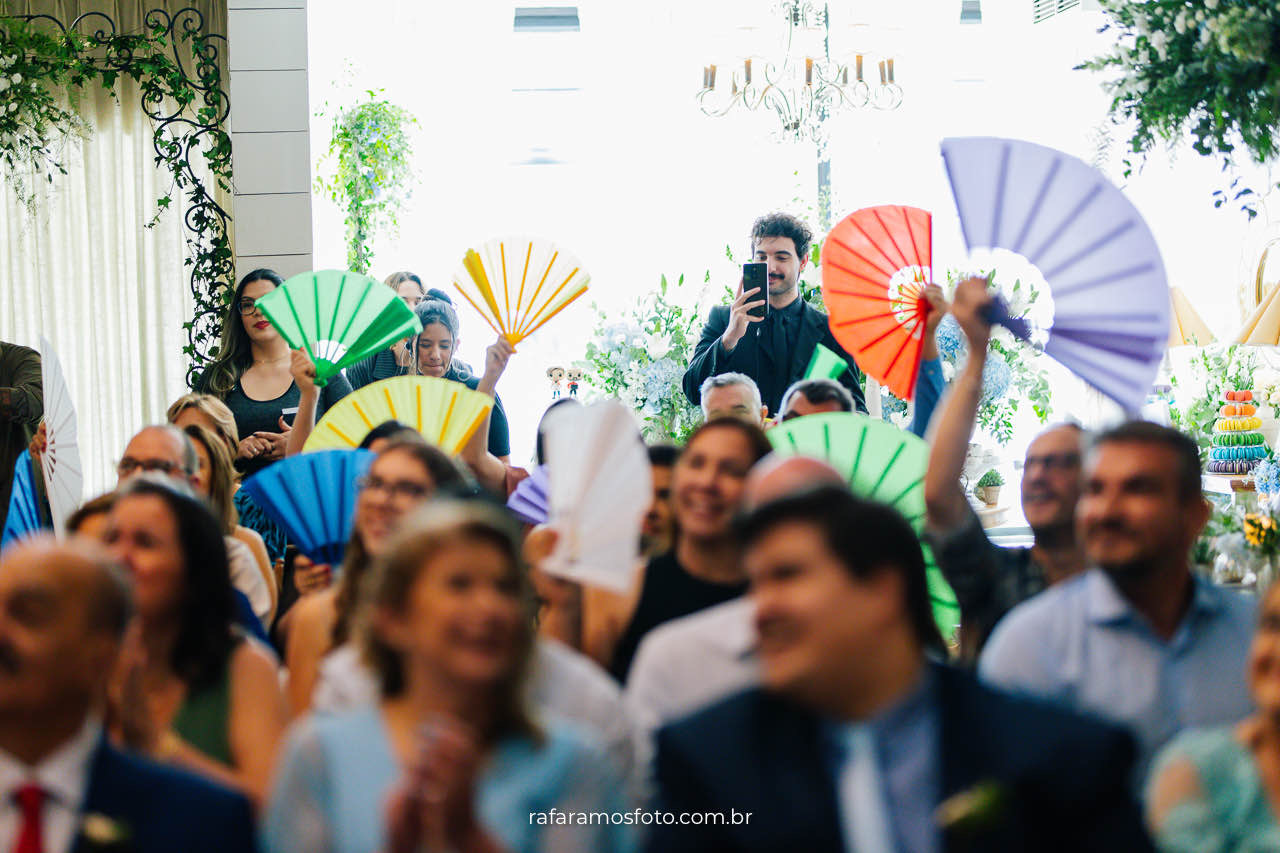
x=1238, y=445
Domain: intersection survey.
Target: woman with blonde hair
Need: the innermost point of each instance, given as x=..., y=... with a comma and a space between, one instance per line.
x=208, y=411
x=214, y=481
x=450, y=757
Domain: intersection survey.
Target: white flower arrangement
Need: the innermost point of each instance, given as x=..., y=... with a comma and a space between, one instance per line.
x=1201, y=68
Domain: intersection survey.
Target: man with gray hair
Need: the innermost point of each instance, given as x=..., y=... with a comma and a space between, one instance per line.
x=169, y=451
x=733, y=395
x=163, y=448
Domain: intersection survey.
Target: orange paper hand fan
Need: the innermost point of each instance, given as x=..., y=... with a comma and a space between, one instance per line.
x=875, y=266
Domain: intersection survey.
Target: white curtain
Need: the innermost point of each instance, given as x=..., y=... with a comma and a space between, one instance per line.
x=110, y=295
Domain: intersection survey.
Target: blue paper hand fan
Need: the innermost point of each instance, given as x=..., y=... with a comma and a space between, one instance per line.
x=23, y=518
x=530, y=502
x=312, y=496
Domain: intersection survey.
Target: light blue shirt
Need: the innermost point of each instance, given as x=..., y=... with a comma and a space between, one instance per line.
x=336, y=772
x=907, y=745
x=1083, y=645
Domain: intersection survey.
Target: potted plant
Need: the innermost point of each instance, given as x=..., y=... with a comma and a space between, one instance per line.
x=988, y=488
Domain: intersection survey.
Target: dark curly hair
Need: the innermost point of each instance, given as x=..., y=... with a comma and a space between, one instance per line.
x=780, y=224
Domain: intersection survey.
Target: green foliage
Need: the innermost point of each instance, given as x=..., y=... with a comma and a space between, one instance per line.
x=641, y=358
x=373, y=174
x=42, y=74
x=1199, y=393
x=1204, y=68
x=991, y=478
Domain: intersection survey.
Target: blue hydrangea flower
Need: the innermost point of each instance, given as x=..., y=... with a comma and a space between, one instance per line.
x=996, y=376
x=950, y=338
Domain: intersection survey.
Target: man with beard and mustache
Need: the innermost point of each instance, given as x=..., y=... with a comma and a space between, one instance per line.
x=857, y=737
x=63, y=613
x=1139, y=640
x=990, y=580
x=774, y=350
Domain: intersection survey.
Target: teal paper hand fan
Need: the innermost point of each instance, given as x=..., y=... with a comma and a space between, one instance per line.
x=338, y=317
x=880, y=463
x=23, y=517
x=312, y=496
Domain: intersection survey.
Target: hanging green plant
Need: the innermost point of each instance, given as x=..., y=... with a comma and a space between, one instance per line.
x=372, y=150
x=45, y=63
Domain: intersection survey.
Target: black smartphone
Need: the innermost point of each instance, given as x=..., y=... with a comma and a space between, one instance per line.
x=756, y=276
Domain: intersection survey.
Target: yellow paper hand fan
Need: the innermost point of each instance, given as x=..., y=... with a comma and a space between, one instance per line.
x=518, y=284
x=446, y=413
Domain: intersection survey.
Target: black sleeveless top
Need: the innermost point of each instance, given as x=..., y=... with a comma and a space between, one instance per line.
x=669, y=592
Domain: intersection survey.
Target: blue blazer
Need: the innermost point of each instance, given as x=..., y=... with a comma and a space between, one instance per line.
x=163, y=809
x=1064, y=778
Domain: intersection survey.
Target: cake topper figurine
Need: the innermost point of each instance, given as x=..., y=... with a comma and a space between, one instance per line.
x=556, y=375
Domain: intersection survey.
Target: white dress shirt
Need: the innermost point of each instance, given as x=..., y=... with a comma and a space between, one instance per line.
x=687, y=664
x=247, y=577
x=64, y=777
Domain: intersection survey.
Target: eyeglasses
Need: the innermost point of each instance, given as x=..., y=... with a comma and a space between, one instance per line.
x=248, y=306
x=399, y=489
x=128, y=465
x=1053, y=462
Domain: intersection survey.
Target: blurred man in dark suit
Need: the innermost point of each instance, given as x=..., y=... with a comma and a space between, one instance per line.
x=858, y=740
x=63, y=787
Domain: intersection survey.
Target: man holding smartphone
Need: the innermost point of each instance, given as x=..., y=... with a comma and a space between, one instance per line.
x=769, y=337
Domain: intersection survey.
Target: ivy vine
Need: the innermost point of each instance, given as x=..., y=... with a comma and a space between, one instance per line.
x=371, y=146
x=46, y=63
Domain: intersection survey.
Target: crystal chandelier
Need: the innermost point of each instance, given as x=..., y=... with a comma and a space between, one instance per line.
x=806, y=86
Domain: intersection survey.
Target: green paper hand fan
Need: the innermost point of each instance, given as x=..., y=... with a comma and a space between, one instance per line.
x=880, y=463
x=338, y=317
x=825, y=364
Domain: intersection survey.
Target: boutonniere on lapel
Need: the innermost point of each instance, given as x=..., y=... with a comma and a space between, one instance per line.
x=102, y=834
x=973, y=810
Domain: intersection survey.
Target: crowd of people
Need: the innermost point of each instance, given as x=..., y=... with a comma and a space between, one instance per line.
x=174, y=675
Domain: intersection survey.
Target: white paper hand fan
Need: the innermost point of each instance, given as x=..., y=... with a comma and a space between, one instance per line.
x=600, y=488
x=518, y=284
x=1110, y=296
x=63, y=474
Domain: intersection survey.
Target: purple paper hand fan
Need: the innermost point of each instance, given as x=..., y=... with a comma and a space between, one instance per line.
x=530, y=502
x=1110, y=295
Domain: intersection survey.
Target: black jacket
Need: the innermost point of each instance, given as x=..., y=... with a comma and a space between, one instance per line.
x=710, y=358
x=1064, y=777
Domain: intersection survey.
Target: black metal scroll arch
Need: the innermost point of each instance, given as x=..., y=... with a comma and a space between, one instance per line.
x=187, y=130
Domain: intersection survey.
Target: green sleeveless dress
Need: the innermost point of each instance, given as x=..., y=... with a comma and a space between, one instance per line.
x=204, y=718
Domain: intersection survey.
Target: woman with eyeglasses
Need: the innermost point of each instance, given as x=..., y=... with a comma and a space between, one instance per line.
x=404, y=474
x=396, y=360
x=263, y=383
x=451, y=755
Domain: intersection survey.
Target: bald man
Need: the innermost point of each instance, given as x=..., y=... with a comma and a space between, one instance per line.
x=163, y=448
x=691, y=662
x=63, y=612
